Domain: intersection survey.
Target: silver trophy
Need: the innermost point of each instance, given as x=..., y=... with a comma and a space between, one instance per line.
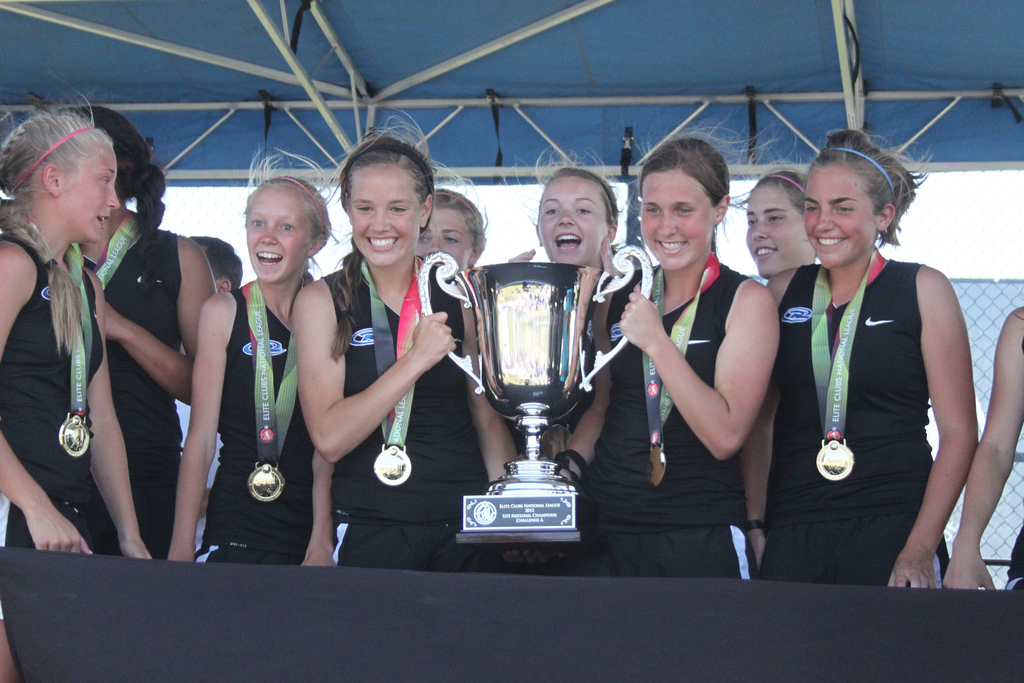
x=532, y=324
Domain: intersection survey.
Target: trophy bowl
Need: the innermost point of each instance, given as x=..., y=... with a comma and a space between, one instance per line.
x=532, y=324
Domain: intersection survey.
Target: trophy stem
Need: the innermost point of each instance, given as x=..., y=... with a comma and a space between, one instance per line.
x=533, y=426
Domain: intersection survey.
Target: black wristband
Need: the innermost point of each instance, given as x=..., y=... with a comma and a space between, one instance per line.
x=575, y=457
x=753, y=524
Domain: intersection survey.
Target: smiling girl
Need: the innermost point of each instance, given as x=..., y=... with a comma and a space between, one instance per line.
x=865, y=345
x=685, y=392
x=260, y=508
x=398, y=421
x=775, y=223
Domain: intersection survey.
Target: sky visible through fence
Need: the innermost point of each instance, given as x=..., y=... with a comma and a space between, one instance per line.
x=964, y=224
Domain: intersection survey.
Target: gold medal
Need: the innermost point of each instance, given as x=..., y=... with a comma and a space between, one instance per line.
x=835, y=460
x=657, y=465
x=392, y=466
x=266, y=483
x=74, y=435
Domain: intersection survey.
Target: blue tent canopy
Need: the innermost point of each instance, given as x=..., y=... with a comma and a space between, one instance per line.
x=563, y=76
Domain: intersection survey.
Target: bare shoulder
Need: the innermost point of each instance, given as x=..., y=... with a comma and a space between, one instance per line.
x=934, y=289
x=190, y=254
x=17, y=274
x=218, y=311
x=753, y=293
x=314, y=296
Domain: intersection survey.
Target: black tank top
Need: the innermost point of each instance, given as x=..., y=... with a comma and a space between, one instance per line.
x=887, y=406
x=234, y=516
x=697, y=489
x=148, y=417
x=35, y=392
x=442, y=441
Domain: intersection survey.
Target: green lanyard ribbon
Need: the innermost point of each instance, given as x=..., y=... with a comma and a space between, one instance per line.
x=832, y=374
x=273, y=412
x=83, y=348
x=659, y=402
x=118, y=247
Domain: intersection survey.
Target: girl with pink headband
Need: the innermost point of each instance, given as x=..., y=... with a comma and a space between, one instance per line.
x=775, y=223
x=245, y=382
x=59, y=426
x=155, y=283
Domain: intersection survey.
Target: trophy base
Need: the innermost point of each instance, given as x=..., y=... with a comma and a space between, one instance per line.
x=532, y=506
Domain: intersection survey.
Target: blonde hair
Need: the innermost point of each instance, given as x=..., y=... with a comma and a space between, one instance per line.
x=63, y=139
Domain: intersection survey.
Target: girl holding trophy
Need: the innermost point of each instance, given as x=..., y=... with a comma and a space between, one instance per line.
x=684, y=394
x=260, y=508
x=865, y=345
x=398, y=422
x=58, y=423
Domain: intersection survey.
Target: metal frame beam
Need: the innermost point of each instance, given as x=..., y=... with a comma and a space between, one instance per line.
x=928, y=125
x=199, y=139
x=544, y=135
x=493, y=46
x=852, y=90
x=300, y=72
x=624, y=101
x=356, y=83
x=165, y=46
x=738, y=171
x=675, y=130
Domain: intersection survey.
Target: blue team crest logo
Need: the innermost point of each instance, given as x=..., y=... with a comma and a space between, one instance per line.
x=797, y=314
x=616, y=333
x=363, y=337
x=276, y=349
x=45, y=293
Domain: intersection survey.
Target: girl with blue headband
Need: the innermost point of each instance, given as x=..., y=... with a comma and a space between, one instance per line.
x=866, y=345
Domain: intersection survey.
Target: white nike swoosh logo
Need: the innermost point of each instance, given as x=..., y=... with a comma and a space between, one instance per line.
x=699, y=341
x=871, y=323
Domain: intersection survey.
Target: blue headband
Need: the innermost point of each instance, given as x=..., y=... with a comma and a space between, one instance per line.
x=877, y=165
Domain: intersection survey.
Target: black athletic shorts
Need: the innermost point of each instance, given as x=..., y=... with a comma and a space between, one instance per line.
x=426, y=547
x=857, y=551
x=242, y=554
x=717, y=551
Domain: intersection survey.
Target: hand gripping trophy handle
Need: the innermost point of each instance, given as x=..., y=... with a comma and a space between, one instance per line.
x=623, y=263
x=447, y=278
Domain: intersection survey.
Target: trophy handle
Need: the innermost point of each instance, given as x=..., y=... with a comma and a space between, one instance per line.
x=622, y=262
x=447, y=278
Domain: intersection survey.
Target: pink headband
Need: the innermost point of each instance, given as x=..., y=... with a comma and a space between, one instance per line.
x=462, y=200
x=323, y=223
x=789, y=180
x=33, y=167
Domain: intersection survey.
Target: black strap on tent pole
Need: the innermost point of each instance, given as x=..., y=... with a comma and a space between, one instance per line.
x=492, y=97
x=752, y=121
x=268, y=110
x=626, y=155
x=297, y=24
x=999, y=99
x=633, y=236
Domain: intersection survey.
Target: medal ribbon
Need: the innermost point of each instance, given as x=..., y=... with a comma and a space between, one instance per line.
x=117, y=248
x=83, y=349
x=396, y=425
x=659, y=402
x=832, y=366
x=273, y=412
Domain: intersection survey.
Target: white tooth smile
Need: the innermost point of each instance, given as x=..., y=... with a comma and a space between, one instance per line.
x=268, y=256
x=828, y=241
x=382, y=243
x=764, y=251
x=567, y=240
